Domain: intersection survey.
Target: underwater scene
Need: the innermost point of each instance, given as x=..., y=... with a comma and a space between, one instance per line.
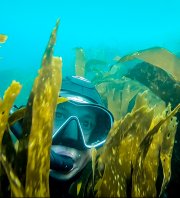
x=130, y=51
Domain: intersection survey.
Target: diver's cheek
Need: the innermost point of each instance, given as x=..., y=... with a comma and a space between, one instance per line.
x=83, y=158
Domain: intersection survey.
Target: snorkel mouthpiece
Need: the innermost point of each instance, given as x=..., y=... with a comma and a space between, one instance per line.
x=60, y=162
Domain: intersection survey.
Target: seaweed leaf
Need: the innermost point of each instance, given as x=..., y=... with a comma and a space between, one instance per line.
x=45, y=94
x=3, y=38
x=80, y=62
x=159, y=57
x=5, y=106
x=16, y=186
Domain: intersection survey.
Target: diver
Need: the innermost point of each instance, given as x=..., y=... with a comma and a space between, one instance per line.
x=81, y=123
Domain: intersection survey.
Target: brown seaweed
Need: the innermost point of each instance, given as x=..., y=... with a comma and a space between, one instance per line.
x=3, y=38
x=37, y=129
x=159, y=57
x=5, y=106
x=126, y=147
x=157, y=81
x=80, y=62
x=45, y=91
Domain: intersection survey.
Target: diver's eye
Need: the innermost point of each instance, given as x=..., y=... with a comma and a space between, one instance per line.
x=60, y=116
x=87, y=125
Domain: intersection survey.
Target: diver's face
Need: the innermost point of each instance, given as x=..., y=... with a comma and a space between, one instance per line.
x=80, y=157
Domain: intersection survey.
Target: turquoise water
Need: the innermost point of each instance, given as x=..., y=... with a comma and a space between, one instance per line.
x=103, y=28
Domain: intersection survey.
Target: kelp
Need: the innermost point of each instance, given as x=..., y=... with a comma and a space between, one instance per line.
x=80, y=62
x=166, y=154
x=159, y=57
x=37, y=129
x=159, y=72
x=130, y=156
x=5, y=106
x=160, y=139
x=145, y=137
x=119, y=95
x=112, y=85
x=93, y=64
x=16, y=187
x=3, y=38
x=158, y=81
x=83, y=66
x=45, y=92
x=94, y=155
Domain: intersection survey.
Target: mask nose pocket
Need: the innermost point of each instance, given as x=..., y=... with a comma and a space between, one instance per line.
x=71, y=130
x=69, y=134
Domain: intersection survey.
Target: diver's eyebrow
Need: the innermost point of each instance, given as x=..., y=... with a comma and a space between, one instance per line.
x=87, y=115
x=60, y=109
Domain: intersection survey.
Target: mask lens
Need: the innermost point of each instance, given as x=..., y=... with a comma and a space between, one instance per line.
x=91, y=123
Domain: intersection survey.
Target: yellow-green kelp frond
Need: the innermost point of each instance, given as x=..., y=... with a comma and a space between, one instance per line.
x=93, y=155
x=48, y=54
x=61, y=100
x=80, y=62
x=6, y=104
x=16, y=116
x=17, y=189
x=45, y=91
x=37, y=128
x=3, y=38
x=169, y=131
x=121, y=153
x=120, y=94
x=92, y=65
x=159, y=57
x=158, y=141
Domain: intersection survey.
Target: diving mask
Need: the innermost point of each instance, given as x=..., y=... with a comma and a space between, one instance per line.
x=80, y=124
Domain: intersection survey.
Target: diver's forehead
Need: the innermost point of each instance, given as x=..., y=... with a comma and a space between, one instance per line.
x=74, y=109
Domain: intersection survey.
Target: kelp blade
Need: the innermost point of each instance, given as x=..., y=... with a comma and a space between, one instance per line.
x=125, y=146
x=17, y=189
x=45, y=94
x=159, y=57
x=5, y=106
x=3, y=38
x=80, y=62
x=147, y=161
